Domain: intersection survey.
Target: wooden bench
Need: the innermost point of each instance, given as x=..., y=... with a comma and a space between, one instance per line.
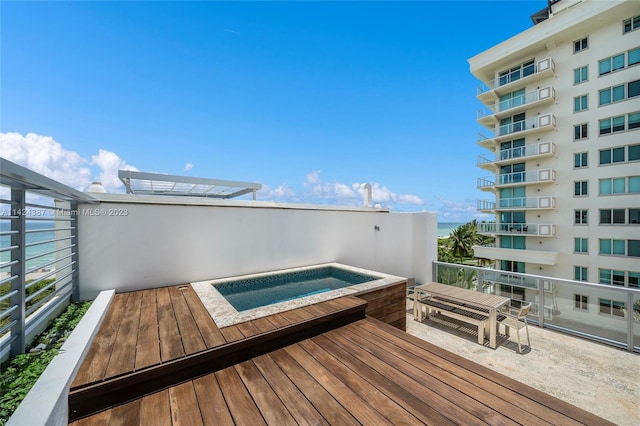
x=460, y=311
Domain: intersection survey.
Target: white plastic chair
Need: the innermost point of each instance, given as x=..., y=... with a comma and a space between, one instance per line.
x=517, y=321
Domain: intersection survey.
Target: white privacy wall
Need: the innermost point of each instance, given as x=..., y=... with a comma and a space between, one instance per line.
x=171, y=241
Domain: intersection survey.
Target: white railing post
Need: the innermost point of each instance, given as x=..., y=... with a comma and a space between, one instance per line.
x=18, y=270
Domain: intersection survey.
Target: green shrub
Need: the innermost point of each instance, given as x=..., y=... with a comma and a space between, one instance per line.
x=19, y=374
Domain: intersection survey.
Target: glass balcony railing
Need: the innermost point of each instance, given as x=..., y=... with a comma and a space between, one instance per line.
x=604, y=313
x=530, y=124
x=520, y=152
x=539, y=95
x=523, y=74
x=527, y=229
x=517, y=178
x=519, y=203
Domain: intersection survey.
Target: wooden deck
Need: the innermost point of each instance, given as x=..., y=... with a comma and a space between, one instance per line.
x=360, y=372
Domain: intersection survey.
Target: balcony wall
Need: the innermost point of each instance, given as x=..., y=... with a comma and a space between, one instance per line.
x=160, y=241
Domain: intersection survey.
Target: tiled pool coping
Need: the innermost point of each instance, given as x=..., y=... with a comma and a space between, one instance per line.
x=225, y=315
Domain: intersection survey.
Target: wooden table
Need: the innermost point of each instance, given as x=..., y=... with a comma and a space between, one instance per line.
x=483, y=300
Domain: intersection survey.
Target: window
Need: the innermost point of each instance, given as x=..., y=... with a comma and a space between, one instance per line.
x=580, y=217
x=634, y=216
x=633, y=152
x=580, y=273
x=621, y=185
x=633, y=248
x=516, y=73
x=611, y=277
x=582, y=302
x=580, y=103
x=580, y=45
x=634, y=279
x=580, y=75
x=580, y=160
x=612, y=216
x=633, y=89
x=581, y=245
x=513, y=173
x=612, y=155
x=512, y=149
x=581, y=188
x=611, y=307
x=612, y=125
x=512, y=124
x=513, y=242
x=611, y=94
x=512, y=100
x=630, y=24
x=580, y=131
x=633, y=56
x=611, y=64
x=612, y=247
x=634, y=120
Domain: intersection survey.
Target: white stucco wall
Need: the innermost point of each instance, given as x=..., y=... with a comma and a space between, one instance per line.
x=166, y=241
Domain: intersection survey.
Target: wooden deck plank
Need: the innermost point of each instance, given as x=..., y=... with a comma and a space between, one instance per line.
x=208, y=328
x=99, y=419
x=487, y=393
x=386, y=406
x=213, y=407
x=322, y=400
x=271, y=407
x=184, y=405
x=155, y=409
x=170, y=341
x=358, y=407
x=126, y=414
x=414, y=403
x=232, y=333
x=531, y=395
x=263, y=324
x=122, y=358
x=278, y=321
x=248, y=329
x=447, y=405
x=242, y=408
x=192, y=340
x=295, y=315
x=301, y=409
x=148, y=346
x=95, y=363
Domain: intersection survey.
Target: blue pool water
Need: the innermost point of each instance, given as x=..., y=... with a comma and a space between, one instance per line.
x=261, y=291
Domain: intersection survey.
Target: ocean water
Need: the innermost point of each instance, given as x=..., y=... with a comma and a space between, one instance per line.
x=445, y=228
x=36, y=237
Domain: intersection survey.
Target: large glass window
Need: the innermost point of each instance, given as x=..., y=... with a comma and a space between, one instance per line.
x=612, y=247
x=634, y=216
x=611, y=307
x=633, y=56
x=512, y=149
x=611, y=64
x=612, y=216
x=633, y=248
x=633, y=89
x=612, y=94
x=612, y=155
x=516, y=73
x=634, y=120
x=512, y=100
x=612, y=125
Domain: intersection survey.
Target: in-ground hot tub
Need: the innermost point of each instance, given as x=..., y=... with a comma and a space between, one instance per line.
x=237, y=299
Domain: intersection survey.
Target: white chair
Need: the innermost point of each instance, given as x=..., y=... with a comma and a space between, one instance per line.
x=517, y=320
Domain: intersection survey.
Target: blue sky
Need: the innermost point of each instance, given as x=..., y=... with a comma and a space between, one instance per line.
x=308, y=98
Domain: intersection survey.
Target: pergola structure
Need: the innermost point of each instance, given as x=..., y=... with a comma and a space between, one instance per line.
x=160, y=184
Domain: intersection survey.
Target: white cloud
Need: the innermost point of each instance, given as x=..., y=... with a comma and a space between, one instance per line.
x=109, y=164
x=188, y=167
x=459, y=211
x=46, y=156
x=279, y=193
x=382, y=194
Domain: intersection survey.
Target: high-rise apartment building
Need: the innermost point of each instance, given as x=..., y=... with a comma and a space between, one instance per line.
x=561, y=103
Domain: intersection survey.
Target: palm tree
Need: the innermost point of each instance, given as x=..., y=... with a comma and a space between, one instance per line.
x=463, y=238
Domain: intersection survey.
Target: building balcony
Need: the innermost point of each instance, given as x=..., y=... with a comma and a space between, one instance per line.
x=519, y=203
x=498, y=110
x=492, y=90
x=538, y=257
x=530, y=177
x=524, y=229
x=518, y=129
x=507, y=156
